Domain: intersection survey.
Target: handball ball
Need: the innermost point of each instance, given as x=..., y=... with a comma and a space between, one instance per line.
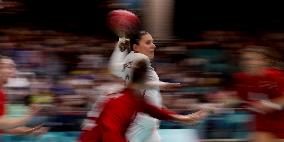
x=123, y=22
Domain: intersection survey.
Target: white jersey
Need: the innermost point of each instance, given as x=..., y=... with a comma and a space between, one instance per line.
x=121, y=65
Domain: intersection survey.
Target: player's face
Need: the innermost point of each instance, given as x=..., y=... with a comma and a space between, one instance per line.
x=145, y=46
x=7, y=69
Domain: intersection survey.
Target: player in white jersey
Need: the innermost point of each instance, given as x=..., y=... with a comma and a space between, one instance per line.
x=144, y=128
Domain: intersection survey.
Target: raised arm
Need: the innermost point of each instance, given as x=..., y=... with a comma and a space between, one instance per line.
x=117, y=58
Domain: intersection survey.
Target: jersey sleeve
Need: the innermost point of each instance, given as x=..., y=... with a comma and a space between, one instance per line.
x=163, y=114
x=116, y=62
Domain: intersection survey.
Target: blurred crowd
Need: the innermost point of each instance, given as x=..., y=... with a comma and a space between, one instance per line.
x=66, y=72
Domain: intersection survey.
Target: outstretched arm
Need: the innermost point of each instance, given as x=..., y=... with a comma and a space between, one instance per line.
x=166, y=114
x=37, y=130
x=162, y=85
x=9, y=123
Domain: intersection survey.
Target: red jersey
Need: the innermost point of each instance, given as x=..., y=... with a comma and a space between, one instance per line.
x=266, y=87
x=2, y=102
x=116, y=116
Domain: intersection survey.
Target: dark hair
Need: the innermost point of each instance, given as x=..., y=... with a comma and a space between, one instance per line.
x=139, y=72
x=267, y=52
x=135, y=38
x=271, y=55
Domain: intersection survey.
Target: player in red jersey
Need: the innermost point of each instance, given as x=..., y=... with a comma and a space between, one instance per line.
x=260, y=89
x=119, y=111
x=14, y=125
